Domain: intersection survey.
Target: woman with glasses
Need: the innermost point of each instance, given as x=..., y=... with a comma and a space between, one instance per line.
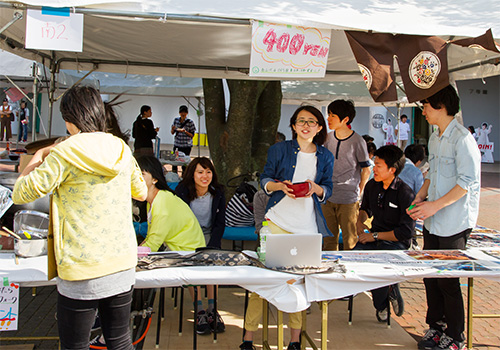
x=303, y=159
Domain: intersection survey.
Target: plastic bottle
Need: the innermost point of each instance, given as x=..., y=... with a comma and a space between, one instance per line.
x=264, y=231
x=7, y=148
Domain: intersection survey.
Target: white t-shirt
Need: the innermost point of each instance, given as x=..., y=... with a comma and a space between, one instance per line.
x=404, y=130
x=297, y=215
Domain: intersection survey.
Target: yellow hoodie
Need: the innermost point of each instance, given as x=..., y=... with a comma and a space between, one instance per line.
x=92, y=177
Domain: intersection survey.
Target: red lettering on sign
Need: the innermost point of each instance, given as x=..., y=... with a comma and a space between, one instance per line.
x=270, y=40
x=323, y=52
x=307, y=47
x=296, y=43
x=283, y=41
x=62, y=29
x=315, y=50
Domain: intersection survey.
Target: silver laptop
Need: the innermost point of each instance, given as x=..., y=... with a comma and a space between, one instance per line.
x=293, y=250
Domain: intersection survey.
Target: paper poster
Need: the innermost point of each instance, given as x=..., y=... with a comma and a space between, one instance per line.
x=54, y=30
x=9, y=306
x=285, y=51
x=483, y=142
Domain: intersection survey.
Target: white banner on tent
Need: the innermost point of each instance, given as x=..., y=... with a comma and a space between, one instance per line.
x=285, y=51
x=54, y=31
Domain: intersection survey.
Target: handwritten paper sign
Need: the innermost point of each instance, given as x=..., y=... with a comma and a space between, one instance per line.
x=9, y=306
x=287, y=51
x=50, y=30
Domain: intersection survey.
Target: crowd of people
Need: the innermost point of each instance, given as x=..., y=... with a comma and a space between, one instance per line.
x=369, y=197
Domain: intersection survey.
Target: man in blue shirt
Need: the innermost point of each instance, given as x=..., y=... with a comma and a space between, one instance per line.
x=410, y=174
x=452, y=188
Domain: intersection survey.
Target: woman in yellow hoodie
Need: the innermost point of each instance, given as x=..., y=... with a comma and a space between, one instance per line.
x=92, y=177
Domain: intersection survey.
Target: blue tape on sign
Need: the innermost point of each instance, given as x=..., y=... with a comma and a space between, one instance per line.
x=56, y=11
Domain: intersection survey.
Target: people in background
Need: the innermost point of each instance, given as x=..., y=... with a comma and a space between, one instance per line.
x=472, y=131
x=95, y=248
x=201, y=190
x=371, y=148
x=385, y=199
x=350, y=174
x=411, y=174
x=302, y=159
x=403, y=132
x=143, y=131
x=183, y=130
x=448, y=202
x=5, y=119
x=23, y=114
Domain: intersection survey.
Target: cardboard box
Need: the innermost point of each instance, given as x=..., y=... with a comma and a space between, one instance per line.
x=24, y=160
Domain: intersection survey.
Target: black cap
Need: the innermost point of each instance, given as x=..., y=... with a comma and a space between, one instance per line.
x=183, y=108
x=6, y=100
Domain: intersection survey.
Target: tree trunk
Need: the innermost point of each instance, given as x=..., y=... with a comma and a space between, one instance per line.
x=239, y=143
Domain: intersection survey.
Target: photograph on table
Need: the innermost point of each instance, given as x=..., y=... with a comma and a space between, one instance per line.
x=460, y=266
x=438, y=255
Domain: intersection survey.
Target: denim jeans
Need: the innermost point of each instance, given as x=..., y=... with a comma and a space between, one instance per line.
x=381, y=295
x=76, y=317
x=23, y=133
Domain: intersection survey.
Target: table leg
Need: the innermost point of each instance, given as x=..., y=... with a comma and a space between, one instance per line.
x=324, y=324
x=265, y=324
x=470, y=303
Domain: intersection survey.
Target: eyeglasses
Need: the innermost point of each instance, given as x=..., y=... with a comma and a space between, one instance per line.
x=302, y=122
x=380, y=199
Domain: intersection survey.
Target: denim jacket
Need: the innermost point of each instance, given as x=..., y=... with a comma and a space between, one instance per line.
x=280, y=165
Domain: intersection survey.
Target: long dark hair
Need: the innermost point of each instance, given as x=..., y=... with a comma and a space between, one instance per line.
x=320, y=137
x=112, y=125
x=188, y=177
x=83, y=107
x=153, y=166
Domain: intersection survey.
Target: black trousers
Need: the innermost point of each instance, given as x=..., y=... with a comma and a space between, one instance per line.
x=444, y=296
x=187, y=152
x=76, y=317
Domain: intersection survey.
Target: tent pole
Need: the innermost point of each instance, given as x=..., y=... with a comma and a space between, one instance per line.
x=52, y=91
x=35, y=98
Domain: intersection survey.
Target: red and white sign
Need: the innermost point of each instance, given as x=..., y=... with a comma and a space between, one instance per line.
x=52, y=32
x=285, y=51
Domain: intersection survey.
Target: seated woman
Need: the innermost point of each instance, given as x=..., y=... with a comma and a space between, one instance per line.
x=201, y=190
x=302, y=159
x=171, y=221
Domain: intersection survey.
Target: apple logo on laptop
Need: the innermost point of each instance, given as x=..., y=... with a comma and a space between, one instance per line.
x=293, y=251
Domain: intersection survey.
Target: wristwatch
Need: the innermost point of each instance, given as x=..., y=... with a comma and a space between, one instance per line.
x=375, y=235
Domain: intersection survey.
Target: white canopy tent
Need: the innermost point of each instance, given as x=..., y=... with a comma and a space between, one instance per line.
x=195, y=38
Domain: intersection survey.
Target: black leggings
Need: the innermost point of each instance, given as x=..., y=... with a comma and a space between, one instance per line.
x=76, y=317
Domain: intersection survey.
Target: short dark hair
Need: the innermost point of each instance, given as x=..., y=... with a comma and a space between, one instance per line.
x=344, y=109
x=320, y=137
x=83, y=107
x=404, y=116
x=280, y=137
x=183, y=108
x=392, y=156
x=188, y=176
x=368, y=138
x=371, y=147
x=415, y=153
x=153, y=166
x=447, y=98
x=144, y=109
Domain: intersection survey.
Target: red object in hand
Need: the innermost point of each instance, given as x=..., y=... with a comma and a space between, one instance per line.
x=300, y=189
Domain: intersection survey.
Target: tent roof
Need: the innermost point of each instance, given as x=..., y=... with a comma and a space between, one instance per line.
x=195, y=38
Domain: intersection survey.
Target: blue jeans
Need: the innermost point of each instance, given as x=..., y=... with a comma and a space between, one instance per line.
x=76, y=317
x=381, y=295
x=23, y=133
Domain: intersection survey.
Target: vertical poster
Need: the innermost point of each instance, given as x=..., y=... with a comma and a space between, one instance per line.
x=9, y=306
x=483, y=142
x=285, y=51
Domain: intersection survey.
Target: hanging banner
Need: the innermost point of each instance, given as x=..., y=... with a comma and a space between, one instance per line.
x=285, y=51
x=9, y=306
x=54, y=30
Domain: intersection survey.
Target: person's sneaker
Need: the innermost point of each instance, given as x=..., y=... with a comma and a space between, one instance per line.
x=202, y=320
x=97, y=323
x=430, y=339
x=221, y=327
x=97, y=343
x=447, y=343
x=397, y=302
x=382, y=315
x=294, y=346
x=247, y=345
